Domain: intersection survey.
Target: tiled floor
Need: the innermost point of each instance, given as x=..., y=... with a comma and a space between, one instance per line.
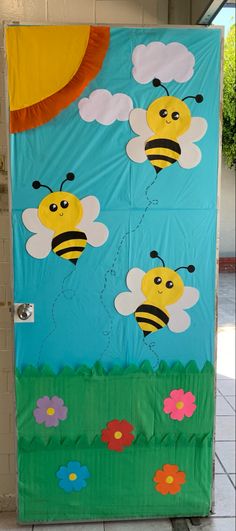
x=224, y=509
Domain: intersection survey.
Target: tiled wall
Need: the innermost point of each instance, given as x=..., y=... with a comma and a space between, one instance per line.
x=134, y=12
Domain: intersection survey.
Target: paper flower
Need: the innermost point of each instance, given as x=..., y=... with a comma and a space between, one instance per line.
x=118, y=434
x=179, y=404
x=72, y=476
x=50, y=411
x=169, y=479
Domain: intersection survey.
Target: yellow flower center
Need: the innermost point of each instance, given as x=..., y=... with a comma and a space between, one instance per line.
x=179, y=405
x=72, y=476
x=169, y=480
x=50, y=411
x=118, y=434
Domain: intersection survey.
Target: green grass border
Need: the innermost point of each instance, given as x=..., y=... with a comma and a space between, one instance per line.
x=98, y=370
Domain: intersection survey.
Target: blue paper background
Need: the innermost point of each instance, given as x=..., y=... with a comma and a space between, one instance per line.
x=182, y=227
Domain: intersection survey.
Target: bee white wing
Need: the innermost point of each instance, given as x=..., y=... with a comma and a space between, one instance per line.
x=179, y=319
x=38, y=245
x=190, y=153
x=135, y=147
x=127, y=301
x=138, y=123
x=96, y=232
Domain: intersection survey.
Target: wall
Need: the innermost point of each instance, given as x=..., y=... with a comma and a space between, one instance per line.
x=143, y=12
x=227, y=212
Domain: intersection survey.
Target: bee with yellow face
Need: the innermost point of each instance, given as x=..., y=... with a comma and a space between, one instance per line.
x=157, y=298
x=167, y=132
x=63, y=224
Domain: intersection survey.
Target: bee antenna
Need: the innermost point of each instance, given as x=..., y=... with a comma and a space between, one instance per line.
x=154, y=254
x=36, y=185
x=198, y=98
x=157, y=83
x=190, y=268
x=69, y=177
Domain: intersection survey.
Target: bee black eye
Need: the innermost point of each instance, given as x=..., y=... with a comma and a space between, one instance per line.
x=163, y=113
x=169, y=284
x=158, y=280
x=53, y=207
x=64, y=204
x=175, y=115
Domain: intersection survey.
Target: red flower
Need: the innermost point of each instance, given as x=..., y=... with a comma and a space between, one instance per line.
x=169, y=479
x=118, y=434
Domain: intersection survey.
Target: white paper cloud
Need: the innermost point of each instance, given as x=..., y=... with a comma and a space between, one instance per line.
x=104, y=107
x=167, y=62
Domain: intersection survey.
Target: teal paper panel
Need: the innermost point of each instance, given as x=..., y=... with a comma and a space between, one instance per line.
x=181, y=224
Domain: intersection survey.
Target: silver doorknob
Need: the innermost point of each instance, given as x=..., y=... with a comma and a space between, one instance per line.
x=24, y=311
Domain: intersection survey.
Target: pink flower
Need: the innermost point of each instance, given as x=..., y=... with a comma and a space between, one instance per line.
x=50, y=411
x=179, y=404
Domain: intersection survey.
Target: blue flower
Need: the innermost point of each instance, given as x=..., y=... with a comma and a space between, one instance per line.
x=72, y=476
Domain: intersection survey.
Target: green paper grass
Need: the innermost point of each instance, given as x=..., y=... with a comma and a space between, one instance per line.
x=120, y=483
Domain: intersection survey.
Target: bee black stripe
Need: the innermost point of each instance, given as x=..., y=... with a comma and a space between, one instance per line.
x=148, y=308
x=70, y=235
x=149, y=321
x=161, y=157
x=163, y=143
x=68, y=250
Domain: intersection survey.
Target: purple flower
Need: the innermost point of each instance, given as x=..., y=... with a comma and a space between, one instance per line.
x=50, y=411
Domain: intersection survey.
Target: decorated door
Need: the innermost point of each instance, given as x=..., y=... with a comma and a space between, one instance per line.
x=114, y=139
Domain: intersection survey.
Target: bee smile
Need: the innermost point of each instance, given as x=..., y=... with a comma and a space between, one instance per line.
x=160, y=292
x=168, y=122
x=61, y=214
